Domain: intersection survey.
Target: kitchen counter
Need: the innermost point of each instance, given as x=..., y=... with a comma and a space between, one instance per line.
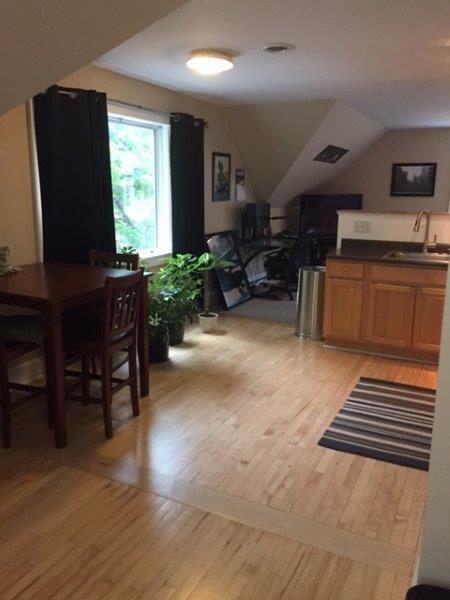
x=389, y=306
x=376, y=250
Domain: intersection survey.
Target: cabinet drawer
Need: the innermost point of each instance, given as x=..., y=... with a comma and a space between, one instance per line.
x=409, y=275
x=346, y=270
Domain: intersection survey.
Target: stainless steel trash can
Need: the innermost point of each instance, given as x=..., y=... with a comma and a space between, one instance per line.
x=311, y=285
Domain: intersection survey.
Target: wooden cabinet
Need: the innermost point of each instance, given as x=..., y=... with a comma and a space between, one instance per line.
x=428, y=318
x=384, y=308
x=390, y=314
x=343, y=304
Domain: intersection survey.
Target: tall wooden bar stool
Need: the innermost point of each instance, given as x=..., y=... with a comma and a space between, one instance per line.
x=103, y=334
x=113, y=260
x=19, y=335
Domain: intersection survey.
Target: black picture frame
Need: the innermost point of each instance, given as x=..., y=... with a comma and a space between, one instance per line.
x=413, y=179
x=233, y=281
x=221, y=178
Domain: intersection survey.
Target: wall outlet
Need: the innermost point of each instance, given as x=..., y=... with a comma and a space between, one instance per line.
x=362, y=226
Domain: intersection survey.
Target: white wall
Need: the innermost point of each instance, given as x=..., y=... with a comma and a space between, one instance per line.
x=397, y=227
x=370, y=174
x=434, y=565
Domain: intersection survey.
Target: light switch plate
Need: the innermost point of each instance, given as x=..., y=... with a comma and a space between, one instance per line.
x=362, y=226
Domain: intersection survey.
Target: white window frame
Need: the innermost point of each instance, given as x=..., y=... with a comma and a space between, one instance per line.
x=161, y=126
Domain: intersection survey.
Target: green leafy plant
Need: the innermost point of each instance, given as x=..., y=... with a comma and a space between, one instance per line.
x=128, y=250
x=180, y=284
x=206, y=263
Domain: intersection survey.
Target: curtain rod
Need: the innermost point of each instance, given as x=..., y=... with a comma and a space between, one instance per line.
x=175, y=117
x=140, y=107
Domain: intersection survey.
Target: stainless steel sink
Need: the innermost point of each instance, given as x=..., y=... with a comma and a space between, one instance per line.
x=429, y=257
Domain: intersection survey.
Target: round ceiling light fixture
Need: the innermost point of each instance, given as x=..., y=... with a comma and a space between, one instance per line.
x=278, y=48
x=209, y=62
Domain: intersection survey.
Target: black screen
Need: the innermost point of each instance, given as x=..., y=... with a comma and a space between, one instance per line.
x=257, y=214
x=318, y=212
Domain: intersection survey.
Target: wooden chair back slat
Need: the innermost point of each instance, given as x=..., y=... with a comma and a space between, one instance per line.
x=98, y=258
x=121, y=305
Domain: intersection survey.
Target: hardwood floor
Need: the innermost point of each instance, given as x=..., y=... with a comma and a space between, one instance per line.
x=219, y=489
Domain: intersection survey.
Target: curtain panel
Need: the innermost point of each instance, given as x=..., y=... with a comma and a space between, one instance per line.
x=187, y=175
x=75, y=173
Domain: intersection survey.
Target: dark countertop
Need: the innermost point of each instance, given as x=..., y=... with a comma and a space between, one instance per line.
x=375, y=250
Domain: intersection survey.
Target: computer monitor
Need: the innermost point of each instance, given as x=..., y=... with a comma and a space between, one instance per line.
x=257, y=214
x=318, y=212
x=256, y=221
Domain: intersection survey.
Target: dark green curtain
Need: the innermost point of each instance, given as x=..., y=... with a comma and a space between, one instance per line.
x=187, y=175
x=75, y=173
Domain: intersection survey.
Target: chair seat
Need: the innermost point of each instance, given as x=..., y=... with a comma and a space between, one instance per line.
x=22, y=328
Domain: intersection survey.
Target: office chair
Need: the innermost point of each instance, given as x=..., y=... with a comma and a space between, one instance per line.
x=282, y=265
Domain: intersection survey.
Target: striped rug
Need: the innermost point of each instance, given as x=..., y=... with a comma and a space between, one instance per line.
x=385, y=420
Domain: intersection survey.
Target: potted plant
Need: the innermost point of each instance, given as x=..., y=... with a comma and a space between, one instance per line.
x=181, y=281
x=206, y=263
x=178, y=282
x=158, y=334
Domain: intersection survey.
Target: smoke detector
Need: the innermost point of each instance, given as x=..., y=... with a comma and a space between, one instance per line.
x=278, y=48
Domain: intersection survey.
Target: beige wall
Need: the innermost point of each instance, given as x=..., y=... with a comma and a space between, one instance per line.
x=16, y=205
x=271, y=136
x=218, y=136
x=371, y=173
x=342, y=126
x=44, y=41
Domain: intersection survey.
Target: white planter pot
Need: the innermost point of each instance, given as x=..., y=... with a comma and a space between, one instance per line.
x=209, y=323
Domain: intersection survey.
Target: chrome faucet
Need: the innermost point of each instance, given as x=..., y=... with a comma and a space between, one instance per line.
x=427, y=245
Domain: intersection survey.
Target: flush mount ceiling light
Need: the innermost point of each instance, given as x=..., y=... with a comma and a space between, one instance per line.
x=278, y=48
x=209, y=62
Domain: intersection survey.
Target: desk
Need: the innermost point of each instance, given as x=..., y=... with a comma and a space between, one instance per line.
x=51, y=288
x=250, y=250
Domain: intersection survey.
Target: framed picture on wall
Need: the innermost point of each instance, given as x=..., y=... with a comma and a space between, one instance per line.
x=240, y=185
x=221, y=176
x=413, y=179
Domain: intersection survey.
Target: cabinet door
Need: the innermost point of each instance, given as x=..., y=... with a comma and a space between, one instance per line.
x=343, y=305
x=428, y=319
x=390, y=314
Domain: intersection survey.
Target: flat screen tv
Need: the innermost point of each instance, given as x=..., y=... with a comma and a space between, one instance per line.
x=318, y=212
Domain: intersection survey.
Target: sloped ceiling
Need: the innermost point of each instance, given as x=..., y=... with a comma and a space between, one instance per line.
x=280, y=140
x=342, y=126
x=271, y=137
x=43, y=41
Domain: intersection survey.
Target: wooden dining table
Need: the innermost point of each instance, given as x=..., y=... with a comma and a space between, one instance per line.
x=51, y=288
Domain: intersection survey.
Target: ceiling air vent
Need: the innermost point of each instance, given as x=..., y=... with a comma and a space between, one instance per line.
x=331, y=154
x=278, y=48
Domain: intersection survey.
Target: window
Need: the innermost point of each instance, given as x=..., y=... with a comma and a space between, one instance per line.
x=141, y=184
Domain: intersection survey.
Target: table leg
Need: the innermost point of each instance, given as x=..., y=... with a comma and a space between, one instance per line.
x=55, y=372
x=144, y=371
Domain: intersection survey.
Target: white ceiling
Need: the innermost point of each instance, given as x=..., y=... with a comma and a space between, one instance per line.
x=388, y=58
